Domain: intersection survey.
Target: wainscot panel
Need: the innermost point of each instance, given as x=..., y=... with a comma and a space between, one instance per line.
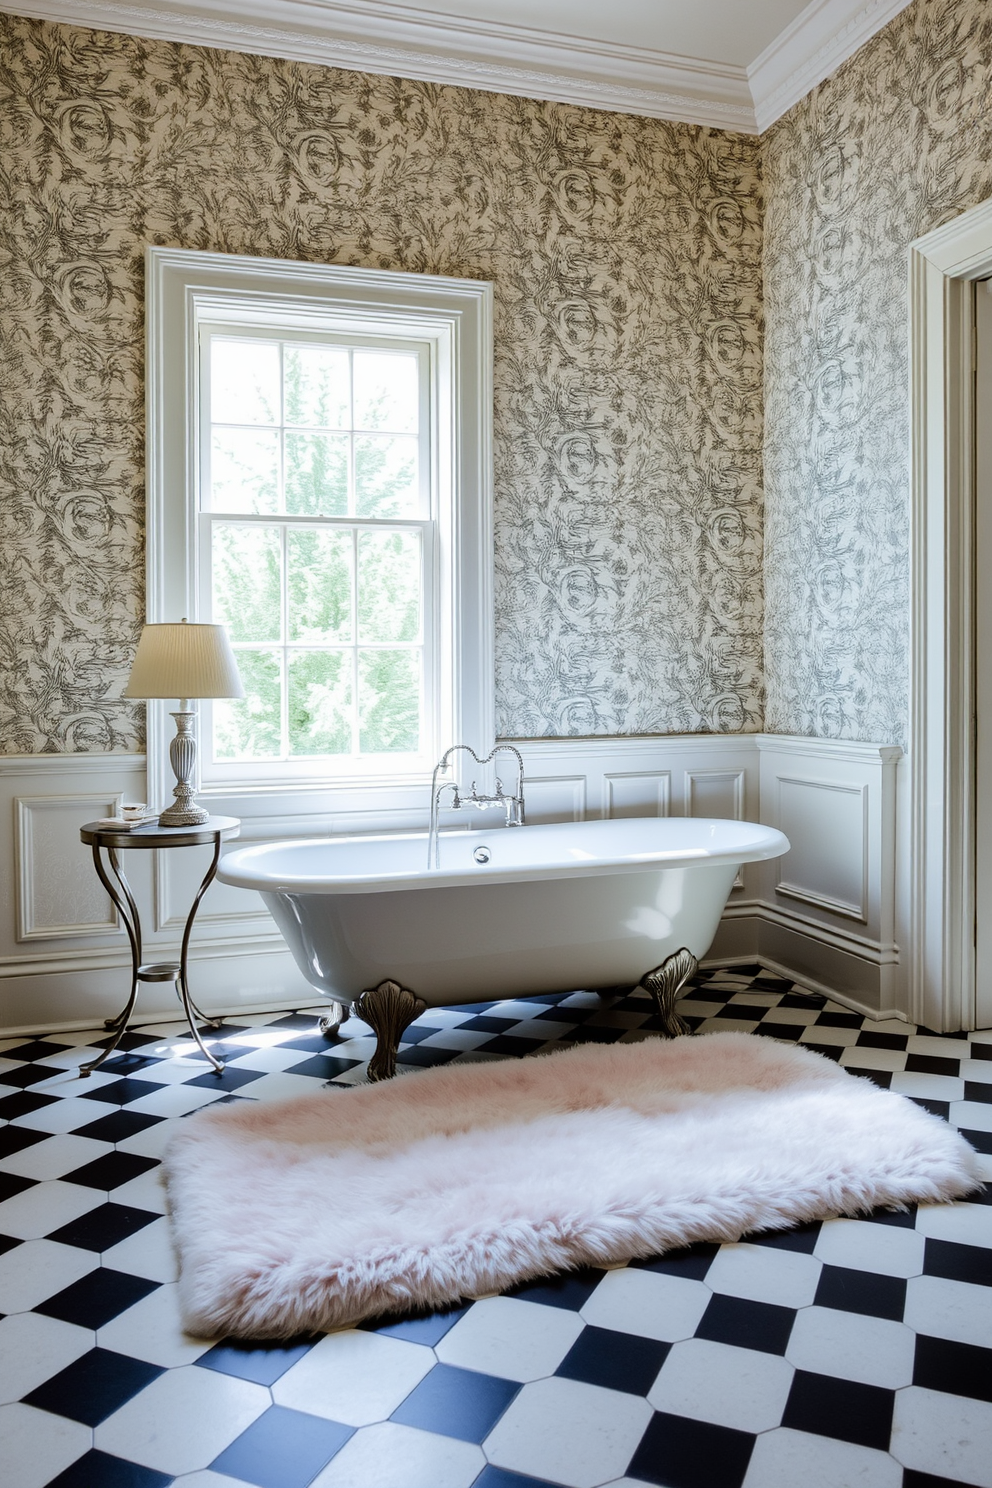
x=824, y=914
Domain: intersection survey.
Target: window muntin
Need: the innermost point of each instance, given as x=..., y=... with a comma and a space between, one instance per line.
x=317, y=540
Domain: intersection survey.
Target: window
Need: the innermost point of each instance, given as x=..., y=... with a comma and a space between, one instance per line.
x=319, y=482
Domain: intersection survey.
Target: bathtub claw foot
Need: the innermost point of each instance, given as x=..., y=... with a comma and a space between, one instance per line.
x=332, y=1020
x=665, y=983
x=388, y=1008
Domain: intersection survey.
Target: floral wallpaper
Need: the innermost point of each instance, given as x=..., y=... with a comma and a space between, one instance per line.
x=626, y=259
x=896, y=143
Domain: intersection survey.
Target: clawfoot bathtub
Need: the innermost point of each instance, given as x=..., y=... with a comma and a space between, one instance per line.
x=581, y=905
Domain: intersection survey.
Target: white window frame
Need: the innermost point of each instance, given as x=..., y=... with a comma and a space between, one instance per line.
x=186, y=289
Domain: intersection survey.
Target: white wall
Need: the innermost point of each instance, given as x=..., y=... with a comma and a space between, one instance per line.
x=824, y=914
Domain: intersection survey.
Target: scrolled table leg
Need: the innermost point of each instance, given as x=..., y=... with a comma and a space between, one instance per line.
x=123, y=901
x=182, y=984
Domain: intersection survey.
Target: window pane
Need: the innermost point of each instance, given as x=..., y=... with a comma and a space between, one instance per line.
x=386, y=482
x=386, y=392
x=388, y=701
x=389, y=586
x=249, y=728
x=320, y=583
x=244, y=471
x=317, y=386
x=317, y=474
x=320, y=702
x=244, y=381
x=246, y=565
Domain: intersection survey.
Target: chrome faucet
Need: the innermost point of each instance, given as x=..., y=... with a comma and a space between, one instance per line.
x=512, y=803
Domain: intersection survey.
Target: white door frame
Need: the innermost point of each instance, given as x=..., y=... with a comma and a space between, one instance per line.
x=941, y=890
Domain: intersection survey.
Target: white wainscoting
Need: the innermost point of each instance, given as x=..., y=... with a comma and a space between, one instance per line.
x=824, y=914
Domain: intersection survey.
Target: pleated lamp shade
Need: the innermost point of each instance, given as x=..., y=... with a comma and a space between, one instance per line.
x=184, y=661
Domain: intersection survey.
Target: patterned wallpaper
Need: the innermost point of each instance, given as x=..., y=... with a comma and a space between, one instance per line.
x=625, y=255
x=896, y=143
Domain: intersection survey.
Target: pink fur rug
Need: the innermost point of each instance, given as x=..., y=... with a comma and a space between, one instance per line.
x=318, y=1212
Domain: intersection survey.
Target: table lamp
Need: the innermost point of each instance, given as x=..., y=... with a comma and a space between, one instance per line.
x=184, y=661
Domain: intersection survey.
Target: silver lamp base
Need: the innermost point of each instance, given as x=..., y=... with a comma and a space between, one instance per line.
x=182, y=756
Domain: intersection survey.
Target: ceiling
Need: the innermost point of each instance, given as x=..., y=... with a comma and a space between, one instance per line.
x=733, y=64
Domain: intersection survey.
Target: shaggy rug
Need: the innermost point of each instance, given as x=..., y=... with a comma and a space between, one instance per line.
x=459, y=1181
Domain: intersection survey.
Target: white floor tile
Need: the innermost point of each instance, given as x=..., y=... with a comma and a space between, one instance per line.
x=979, y=1070
x=67, y=1083
x=729, y=1025
x=182, y=1420
x=856, y=1058
x=928, y=1087
x=964, y=1223
x=763, y=1274
x=151, y=1142
x=148, y=1253
x=31, y=1273
x=798, y=1017
x=945, y=1435
x=33, y=1348
x=647, y=1303
x=208, y=1479
x=889, y=1250
x=175, y=1100
x=851, y=1346
x=147, y=1191
x=724, y=1385
x=972, y=1115
x=63, y=1116
x=354, y=1377
x=511, y=1338
x=36, y=1446
x=151, y=1330
x=393, y=1456
x=270, y=1058
x=786, y=1459
x=595, y=1432
x=55, y=1156
x=38, y=1211
x=173, y=1071
x=278, y=1087
x=957, y=1310
x=818, y=1033
x=938, y=1048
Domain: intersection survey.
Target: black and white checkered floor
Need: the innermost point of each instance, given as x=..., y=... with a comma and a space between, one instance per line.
x=851, y=1352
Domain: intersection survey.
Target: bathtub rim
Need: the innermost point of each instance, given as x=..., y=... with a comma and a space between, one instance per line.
x=243, y=868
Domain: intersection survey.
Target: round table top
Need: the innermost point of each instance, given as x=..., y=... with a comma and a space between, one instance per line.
x=150, y=834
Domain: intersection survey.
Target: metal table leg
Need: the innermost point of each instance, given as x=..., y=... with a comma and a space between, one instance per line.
x=183, y=982
x=123, y=901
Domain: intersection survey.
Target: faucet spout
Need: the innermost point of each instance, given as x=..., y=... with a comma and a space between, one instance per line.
x=512, y=803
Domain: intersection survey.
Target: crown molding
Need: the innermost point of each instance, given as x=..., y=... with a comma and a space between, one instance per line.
x=379, y=37
x=397, y=40
x=821, y=37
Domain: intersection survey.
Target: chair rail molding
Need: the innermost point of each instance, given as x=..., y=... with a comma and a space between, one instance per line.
x=71, y=968
x=941, y=889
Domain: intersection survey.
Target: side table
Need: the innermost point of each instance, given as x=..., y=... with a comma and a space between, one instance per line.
x=111, y=840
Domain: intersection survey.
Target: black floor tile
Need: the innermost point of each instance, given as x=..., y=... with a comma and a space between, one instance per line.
x=26, y=1075
x=829, y=1051
x=8, y=1242
x=839, y=1020
x=869, y=1040
x=120, y=1092
x=929, y=1064
x=23, y=1103
x=426, y=1328
x=754, y=1325
x=980, y=1140
x=861, y=1291
x=957, y=1368
x=111, y=1170
x=96, y=1298
x=691, y=1261
x=572, y=1289
x=14, y=1139
x=261, y=1363
x=422, y=1058
x=935, y=1107
x=33, y=1049
x=975, y=1090
x=131, y=1064
x=13, y=1183
x=99, y=1470
x=911, y=1479
x=103, y=1227
x=958, y=1262
x=678, y=1453
x=787, y=1032
x=826, y=1406
x=93, y=1387
x=319, y=1066
x=500, y=1477
x=456, y=1402
x=228, y=1079
x=801, y=1238
x=118, y=1126
x=283, y=1449
x=617, y=1361
x=981, y=1051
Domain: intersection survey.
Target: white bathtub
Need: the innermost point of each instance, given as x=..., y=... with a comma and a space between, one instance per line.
x=555, y=908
